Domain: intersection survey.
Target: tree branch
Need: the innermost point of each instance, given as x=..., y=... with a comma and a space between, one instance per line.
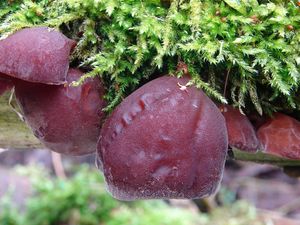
x=15, y=134
x=261, y=157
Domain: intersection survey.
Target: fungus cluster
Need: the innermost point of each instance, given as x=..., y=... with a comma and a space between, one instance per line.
x=280, y=136
x=165, y=140
x=36, y=62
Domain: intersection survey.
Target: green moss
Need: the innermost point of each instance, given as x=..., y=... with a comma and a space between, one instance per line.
x=127, y=42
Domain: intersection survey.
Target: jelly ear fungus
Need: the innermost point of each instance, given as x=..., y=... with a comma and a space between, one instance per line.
x=280, y=136
x=37, y=54
x=66, y=119
x=241, y=133
x=163, y=141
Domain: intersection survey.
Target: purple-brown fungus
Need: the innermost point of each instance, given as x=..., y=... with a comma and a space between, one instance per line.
x=165, y=140
x=37, y=54
x=241, y=133
x=280, y=136
x=66, y=119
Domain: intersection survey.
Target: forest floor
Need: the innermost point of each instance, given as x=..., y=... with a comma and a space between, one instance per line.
x=275, y=194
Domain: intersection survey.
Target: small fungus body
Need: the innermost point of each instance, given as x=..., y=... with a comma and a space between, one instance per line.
x=241, y=133
x=38, y=55
x=280, y=136
x=66, y=119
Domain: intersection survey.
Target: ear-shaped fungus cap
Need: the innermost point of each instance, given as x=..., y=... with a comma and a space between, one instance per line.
x=241, y=133
x=163, y=141
x=37, y=55
x=280, y=136
x=66, y=119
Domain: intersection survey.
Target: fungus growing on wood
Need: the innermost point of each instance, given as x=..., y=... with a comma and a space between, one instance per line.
x=65, y=119
x=280, y=135
x=164, y=141
x=241, y=133
x=37, y=54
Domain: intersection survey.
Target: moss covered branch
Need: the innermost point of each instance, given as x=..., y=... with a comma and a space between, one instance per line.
x=15, y=134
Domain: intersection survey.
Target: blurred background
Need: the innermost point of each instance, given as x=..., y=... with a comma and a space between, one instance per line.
x=38, y=187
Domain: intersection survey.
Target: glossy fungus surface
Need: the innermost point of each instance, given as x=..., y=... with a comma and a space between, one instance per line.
x=241, y=133
x=163, y=141
x=66, y=119
x=280, y=136
x=36, y=55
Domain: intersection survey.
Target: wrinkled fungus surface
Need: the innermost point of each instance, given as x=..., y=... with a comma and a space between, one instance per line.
x=36, y=55
x=163, y=141
x=280, y=136
x=66, y=119
x=241, y=133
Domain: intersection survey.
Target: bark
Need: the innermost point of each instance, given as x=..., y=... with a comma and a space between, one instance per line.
x=14, y=133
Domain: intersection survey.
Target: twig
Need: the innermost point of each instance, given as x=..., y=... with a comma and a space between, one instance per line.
x=58, y=165
x=261, y=157
x=14, y=108
x=226, y=82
